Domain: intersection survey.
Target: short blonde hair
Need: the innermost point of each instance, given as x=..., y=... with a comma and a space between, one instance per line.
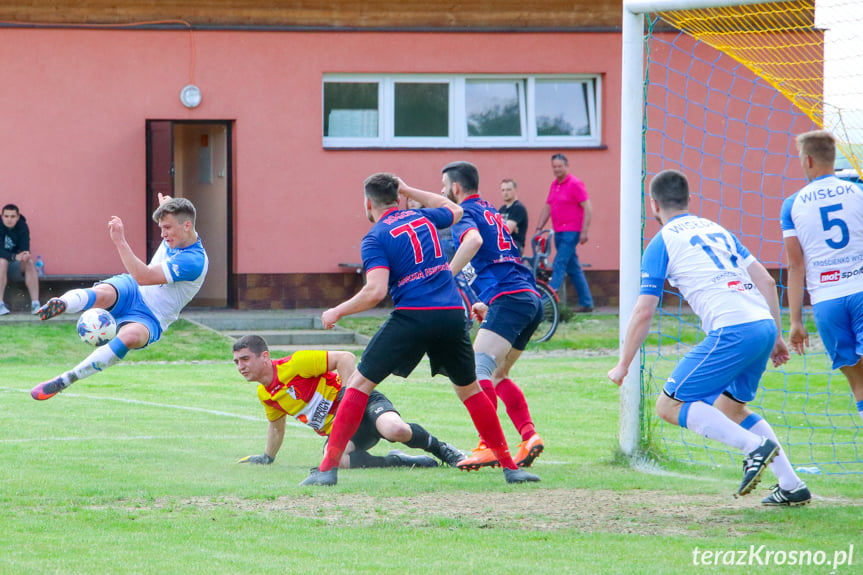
x=820, y=145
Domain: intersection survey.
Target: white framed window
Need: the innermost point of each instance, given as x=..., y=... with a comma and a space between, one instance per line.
x=447, y=111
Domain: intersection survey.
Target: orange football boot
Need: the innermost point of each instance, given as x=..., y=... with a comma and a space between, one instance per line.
x=481, y=456
x=529, y=450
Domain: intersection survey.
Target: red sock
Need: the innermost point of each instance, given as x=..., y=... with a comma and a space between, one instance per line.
x=488, y=388
x=516, y=407
x=487, y=424
x=347, y=420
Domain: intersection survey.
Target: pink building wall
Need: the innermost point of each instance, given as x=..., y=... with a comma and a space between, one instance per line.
x=75, y=103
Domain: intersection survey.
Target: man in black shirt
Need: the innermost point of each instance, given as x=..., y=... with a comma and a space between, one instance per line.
x=513, y=211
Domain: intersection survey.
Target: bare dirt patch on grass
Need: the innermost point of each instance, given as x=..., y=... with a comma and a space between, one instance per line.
x=640, y=512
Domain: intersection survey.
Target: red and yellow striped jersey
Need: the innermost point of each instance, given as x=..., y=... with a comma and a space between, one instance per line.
x=303, y=388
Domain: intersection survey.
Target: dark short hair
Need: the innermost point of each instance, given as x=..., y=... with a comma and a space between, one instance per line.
x=181, y=208
x=560, y=157
x=510, y=181
x=464, y=174
x=254, y=343
x=10, y=207
x=382, y=189
x=670, y=189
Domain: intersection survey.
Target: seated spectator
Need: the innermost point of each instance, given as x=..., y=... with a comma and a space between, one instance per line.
x=15, y=259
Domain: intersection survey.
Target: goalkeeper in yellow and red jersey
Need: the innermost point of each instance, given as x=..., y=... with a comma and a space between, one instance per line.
x=308, y=386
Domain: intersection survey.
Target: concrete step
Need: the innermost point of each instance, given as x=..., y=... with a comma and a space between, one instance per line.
x=254, y=320
x=284, y=330
x=300, y=337
x=285, y=350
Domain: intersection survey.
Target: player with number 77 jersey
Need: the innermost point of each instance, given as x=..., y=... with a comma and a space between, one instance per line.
x=402, y=254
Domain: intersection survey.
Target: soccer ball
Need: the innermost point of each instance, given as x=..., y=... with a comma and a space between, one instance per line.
x=96, y=326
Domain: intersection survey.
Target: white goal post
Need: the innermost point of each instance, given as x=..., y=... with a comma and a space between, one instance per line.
x=631, y=192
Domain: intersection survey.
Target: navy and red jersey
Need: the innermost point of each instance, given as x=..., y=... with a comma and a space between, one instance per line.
x=498, y=266
x=406, y=242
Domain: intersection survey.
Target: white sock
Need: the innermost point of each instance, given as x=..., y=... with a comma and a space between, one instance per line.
x=708, y=421
x=77, y=300
x=781, y=466
x=101, y=359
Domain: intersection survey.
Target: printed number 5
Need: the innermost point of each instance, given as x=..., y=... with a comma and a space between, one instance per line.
x=834, y=223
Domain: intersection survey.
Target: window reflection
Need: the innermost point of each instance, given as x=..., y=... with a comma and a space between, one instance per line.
x=492, y=108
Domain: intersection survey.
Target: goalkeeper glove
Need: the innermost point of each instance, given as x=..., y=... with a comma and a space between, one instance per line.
x=259, y=459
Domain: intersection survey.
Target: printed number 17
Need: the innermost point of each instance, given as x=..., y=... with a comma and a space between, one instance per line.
x=716, y=238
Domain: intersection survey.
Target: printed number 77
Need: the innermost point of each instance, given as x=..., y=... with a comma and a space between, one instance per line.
x=410, y=230
x=716, y=238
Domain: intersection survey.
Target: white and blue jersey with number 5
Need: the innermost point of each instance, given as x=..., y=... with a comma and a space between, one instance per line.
x=826, y=216
x=709, y=266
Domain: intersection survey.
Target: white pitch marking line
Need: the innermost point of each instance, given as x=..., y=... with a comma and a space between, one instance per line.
x=166, y=405
x=118, y=438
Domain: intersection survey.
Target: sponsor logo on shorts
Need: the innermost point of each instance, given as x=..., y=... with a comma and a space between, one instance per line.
x=831, y=276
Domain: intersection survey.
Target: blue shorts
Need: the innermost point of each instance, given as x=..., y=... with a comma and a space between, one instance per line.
x=130, y=306
x=840, y=325
x=730, y=359
x=514, y=317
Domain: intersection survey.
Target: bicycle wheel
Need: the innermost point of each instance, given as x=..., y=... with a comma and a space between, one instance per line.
x=550, y=314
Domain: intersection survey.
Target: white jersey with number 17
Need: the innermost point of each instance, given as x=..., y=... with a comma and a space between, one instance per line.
x=708, y=265
x=826, y=216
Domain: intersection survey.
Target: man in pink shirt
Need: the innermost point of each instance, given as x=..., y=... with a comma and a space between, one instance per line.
x=569, y=207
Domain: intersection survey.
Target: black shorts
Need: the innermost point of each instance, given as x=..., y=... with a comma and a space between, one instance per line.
x=407, y=335
x=367, y=435
x=514, y=317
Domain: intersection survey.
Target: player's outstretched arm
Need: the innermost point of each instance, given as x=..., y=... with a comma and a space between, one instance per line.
x=798, y=337
x=375, y=290
x=430, y=200
x=767, y=287
x=343, y=362
x=636, y=332
x=469, y=245
x=138, y=269
x=275, y=436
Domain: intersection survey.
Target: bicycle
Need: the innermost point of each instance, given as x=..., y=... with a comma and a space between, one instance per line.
x=541, y=246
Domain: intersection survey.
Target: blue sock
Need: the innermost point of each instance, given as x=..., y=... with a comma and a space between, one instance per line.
x=751, y=420
x=79, y=299
x=118, y=347
x=684, y=413
x=860, y=407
